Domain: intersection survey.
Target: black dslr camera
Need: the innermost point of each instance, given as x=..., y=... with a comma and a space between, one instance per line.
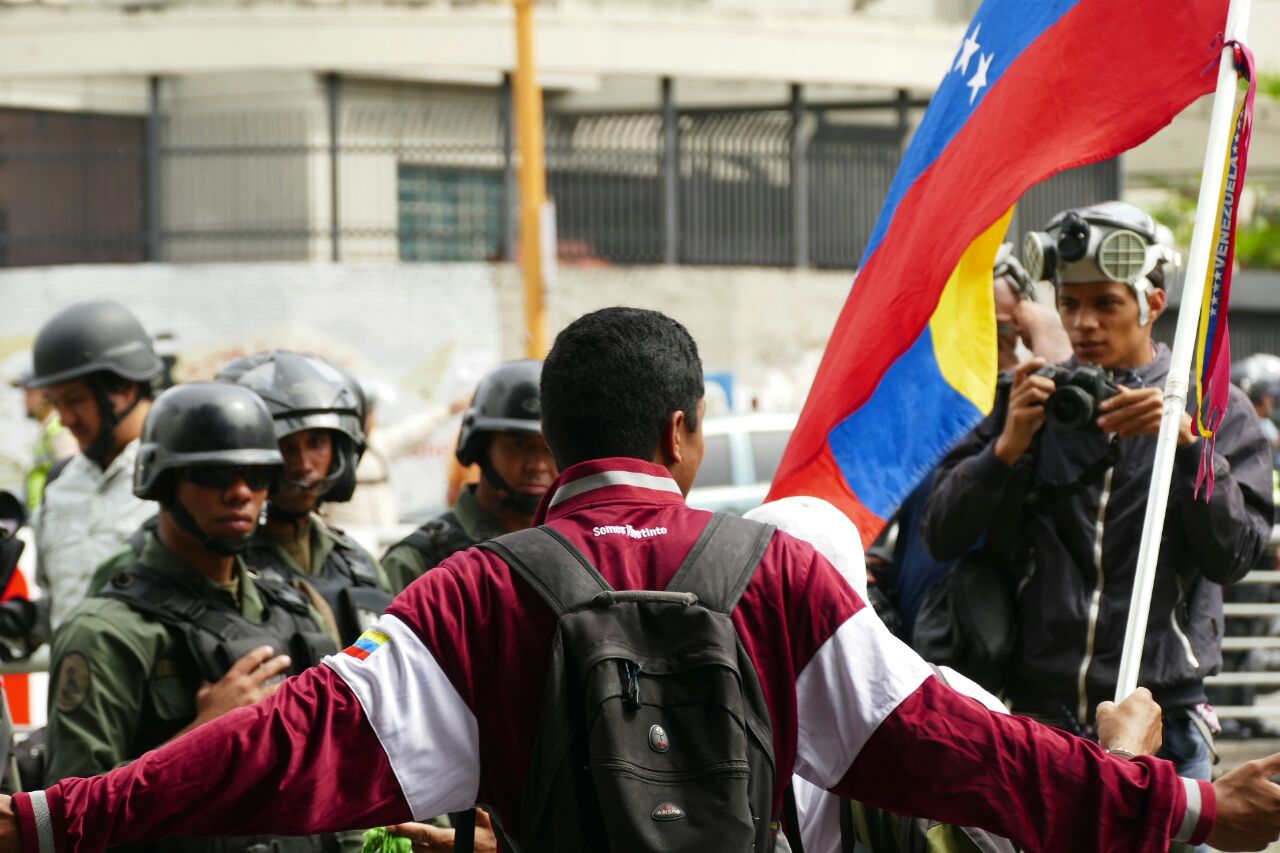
x=1076, y=397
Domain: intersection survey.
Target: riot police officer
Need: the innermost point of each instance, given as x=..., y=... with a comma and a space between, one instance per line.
x=184, y=632
x=95, y=364
x=502, y=433
x=319, y=412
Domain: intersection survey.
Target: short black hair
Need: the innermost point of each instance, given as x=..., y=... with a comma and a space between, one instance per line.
x=612, y=381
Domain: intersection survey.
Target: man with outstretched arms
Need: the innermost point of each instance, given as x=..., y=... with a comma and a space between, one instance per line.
x=95, y=363
x=319, y=411
x=434, y=710
x=185, y=632
x=502, y=433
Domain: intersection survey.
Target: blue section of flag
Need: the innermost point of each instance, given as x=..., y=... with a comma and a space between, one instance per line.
x=1004, y=29
x=367, y=644
x=912, y=387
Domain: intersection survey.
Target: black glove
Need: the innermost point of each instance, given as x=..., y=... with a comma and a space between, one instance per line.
x=17, y=619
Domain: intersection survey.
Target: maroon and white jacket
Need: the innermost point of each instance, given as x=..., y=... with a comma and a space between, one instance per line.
x=437, y=711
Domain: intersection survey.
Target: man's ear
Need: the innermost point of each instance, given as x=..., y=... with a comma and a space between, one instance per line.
x=671, y=447
x=1157, y=301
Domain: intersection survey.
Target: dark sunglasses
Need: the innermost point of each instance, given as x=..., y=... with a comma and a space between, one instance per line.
x=256, y=477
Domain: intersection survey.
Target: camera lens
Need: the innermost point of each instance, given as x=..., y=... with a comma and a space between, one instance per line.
x=1069, y=408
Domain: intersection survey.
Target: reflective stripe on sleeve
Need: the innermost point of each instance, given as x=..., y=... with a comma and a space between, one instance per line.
x=1190, y=817
x=43, y=820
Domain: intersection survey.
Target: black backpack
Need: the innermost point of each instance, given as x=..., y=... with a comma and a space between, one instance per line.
x=653, y=734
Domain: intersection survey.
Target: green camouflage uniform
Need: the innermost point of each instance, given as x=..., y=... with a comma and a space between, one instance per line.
x=322, y=541
x=404, y=563
x=122, y=683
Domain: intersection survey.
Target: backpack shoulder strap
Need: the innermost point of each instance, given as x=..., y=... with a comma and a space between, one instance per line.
x=560, y=573
x=722, y=562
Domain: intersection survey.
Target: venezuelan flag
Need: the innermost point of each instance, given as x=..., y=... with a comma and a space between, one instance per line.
x=1037, y=86
x=366, y=644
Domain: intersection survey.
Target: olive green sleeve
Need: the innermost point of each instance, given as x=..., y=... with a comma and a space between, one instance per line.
x=403, y=564
x=99, y=665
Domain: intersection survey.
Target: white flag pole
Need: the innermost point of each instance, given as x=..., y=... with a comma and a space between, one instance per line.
x=1175, y=391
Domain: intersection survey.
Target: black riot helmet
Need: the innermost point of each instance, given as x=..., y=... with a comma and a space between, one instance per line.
x=93, y=337
x=308, y=392
x=507, y=400
x=203, y=425
x=96, y=341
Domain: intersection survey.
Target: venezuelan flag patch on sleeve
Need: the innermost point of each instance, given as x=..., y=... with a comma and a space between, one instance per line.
x=368, y=643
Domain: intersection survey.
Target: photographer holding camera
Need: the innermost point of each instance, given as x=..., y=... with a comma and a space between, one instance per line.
x=1066, y=455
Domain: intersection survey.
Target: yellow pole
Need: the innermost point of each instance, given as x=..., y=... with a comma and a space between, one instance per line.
x=533, y=180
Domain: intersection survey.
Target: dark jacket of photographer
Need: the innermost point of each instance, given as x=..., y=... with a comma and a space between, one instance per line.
x=1072, y=617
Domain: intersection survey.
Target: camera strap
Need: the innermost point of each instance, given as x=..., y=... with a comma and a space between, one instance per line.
x=1043, y=492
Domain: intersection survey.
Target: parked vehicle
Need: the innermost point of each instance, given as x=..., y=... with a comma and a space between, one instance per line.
x=741, y=457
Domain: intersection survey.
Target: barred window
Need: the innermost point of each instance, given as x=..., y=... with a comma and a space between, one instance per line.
x=449, y=214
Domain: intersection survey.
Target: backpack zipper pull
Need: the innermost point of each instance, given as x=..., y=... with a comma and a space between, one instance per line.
x=629, y=673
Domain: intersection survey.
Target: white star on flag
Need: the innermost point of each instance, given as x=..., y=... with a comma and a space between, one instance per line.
x=979, y=79
x=967, y=50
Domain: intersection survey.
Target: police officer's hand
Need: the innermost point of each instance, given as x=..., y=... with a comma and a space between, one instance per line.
x=1248, y=815
x=1135, y=725
x=428, y=839
x=248, y=681
x=1026, y=411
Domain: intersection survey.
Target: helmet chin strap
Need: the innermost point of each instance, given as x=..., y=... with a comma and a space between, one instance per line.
x=105, y=442
x=508, y=496
x=278, y=513
x=227, y=546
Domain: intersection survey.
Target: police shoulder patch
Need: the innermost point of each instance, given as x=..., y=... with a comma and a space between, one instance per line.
x=74, y=678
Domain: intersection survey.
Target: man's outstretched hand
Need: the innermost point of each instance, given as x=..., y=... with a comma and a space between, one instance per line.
x=1248, y=806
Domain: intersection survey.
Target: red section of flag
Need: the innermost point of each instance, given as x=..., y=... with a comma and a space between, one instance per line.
x=356, y=652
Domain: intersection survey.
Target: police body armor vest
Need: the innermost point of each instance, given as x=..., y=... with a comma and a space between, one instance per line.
x=439, y=538
x=348, y=582
x=217, y=635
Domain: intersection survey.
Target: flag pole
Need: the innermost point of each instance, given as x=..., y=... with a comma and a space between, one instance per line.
x=1176, y=386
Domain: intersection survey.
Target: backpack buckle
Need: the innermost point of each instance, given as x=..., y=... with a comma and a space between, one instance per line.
x=629, y=673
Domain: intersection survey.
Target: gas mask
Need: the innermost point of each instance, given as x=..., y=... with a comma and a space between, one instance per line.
x=1113, y=241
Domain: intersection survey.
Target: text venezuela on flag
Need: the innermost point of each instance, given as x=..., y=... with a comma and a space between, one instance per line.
x=1037, y=86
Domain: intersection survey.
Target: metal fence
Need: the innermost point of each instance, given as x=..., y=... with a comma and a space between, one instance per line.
x=384, y=172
